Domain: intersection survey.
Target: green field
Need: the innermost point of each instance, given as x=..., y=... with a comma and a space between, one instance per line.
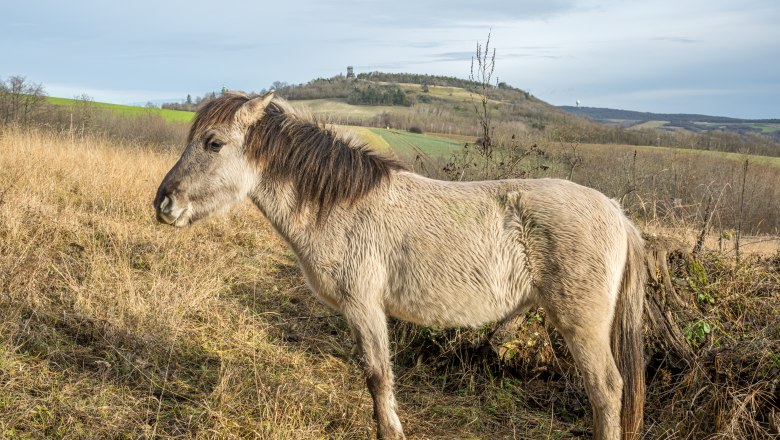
x=648, y=124
x=412, y=144
x=372, y=140
x=129, y=110
x=767, y=128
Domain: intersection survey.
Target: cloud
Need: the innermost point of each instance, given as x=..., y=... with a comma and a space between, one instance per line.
x=681, y=40
x=389, y=66
x=451, y=56
x=689, y=55
x=660, y=94
x=451, y=13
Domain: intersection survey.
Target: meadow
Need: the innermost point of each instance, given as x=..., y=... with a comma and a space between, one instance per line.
x=413, y=144
x=126, y=110
x=117, y=327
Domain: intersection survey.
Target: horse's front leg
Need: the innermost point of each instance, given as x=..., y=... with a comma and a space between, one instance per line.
x=369, y=326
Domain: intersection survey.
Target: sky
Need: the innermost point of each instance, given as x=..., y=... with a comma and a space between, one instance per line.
x=715, y=57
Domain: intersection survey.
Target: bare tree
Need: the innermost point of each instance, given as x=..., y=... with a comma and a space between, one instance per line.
x=482, y=75
x=20, y=99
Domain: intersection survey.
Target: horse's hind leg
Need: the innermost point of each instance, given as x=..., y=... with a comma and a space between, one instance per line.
x=587, y=333
x=369, y=326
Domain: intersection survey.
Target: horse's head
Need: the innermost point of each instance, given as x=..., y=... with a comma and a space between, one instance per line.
x=213, y=172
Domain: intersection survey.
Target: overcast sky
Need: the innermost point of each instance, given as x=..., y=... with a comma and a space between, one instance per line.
x=719, y=57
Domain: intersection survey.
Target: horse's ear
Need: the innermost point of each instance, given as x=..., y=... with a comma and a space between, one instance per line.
x=253, y=110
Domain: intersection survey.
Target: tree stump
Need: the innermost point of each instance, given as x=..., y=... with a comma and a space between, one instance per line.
x=663, y=303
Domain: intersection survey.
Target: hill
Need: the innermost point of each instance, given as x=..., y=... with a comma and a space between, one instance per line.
x=445, y=105
x=675, y=121
x=432, y=103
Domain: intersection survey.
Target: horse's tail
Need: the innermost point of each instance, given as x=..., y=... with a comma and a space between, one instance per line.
x=627, y=341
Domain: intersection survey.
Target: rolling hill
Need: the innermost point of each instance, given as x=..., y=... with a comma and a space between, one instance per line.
x=444, y=108
x=675, y=121
x=381, y=139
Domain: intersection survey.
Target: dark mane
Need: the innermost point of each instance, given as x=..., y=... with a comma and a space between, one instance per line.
x=325, y=169
x=219, y=111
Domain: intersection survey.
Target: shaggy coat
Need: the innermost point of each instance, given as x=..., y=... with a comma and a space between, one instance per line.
x=375, y=240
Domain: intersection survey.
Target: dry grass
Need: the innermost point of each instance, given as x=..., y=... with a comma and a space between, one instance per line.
x=115, y=327
x=757, y=245
x=730, y=388
x=326, y=108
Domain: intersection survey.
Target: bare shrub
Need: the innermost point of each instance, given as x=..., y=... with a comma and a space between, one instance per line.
x=82, y=118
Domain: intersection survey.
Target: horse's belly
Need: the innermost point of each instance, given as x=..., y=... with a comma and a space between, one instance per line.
x=458, y=306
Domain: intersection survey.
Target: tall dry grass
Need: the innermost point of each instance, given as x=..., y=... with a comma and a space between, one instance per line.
x=116, y=327
x=113, y=326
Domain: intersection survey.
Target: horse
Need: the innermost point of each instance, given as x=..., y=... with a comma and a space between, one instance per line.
x=375, y=239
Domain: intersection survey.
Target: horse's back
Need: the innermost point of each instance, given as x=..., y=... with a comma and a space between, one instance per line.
x=469, y=253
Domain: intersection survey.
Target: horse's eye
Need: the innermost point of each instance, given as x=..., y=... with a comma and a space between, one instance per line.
x=214, y=146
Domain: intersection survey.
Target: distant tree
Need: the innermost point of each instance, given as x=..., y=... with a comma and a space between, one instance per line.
x=20, y=99
x=189, y=99
x=83, y=113
x=208, y=97
x=372, y=94
x=415, y=78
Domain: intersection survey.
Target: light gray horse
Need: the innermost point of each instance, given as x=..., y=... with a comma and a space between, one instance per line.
x=375, y=240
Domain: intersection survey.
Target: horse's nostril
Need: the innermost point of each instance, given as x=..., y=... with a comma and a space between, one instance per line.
x=166, y=205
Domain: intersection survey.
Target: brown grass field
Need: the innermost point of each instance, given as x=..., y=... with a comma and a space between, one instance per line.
x=116, y=327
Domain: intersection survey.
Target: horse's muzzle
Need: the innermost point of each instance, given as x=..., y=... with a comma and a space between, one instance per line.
x=170, y=214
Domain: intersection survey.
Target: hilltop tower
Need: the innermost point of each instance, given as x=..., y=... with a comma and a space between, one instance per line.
x=350, y=73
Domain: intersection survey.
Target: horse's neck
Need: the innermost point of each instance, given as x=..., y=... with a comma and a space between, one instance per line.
x=278, y=202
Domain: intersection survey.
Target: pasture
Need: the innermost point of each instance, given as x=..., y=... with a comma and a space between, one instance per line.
x=116, y=327
x=728, y=157
x=323, y=108
x=454, y=94
x=126, y=110
x=413, y=144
